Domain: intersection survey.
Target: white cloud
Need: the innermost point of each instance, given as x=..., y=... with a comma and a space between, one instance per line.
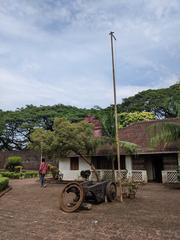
x=58, y=51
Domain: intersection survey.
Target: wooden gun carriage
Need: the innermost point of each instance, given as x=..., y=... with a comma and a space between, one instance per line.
x=75, y=194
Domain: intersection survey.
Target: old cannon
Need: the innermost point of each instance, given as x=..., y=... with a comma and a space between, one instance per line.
x=75, y=194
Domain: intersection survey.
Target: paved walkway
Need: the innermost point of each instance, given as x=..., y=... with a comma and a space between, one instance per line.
x=29, y=212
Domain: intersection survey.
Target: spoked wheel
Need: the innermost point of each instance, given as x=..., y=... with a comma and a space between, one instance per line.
x=111, y=191
x=71, y=197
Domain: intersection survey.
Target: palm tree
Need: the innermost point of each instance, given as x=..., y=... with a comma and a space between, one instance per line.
x=165, y=133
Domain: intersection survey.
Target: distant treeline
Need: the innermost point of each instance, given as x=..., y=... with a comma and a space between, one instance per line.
x=16, y=126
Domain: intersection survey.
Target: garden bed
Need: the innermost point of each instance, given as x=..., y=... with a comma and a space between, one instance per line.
x=19, y=175
x=4, y=183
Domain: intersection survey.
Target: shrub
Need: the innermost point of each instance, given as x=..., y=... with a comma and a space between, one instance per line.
x=14, y=175
x=30, y=174
x=54, y=171
x=18, y=169
x=13, y=162
x=11, y=175
x=4, y=182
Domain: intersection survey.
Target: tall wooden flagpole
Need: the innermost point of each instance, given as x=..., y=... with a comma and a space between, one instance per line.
x=117, y=138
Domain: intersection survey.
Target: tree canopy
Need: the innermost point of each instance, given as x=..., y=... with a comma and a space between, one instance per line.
x=164, y=103
x=65, y=139
x=17, y=126
x=125, y=118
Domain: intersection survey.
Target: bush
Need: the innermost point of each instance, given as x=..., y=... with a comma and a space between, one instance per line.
x=4, y=182
x=11, y=175
x=13, y=162
x=18, y=169
x=54, y=171
x=14, y=175
x=30, y=174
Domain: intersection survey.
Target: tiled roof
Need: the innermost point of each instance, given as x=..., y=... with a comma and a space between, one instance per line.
x=138, y=133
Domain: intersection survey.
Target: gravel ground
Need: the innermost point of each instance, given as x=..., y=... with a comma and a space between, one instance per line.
x=29, y=212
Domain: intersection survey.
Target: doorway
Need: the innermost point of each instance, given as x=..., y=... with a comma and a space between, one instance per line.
x=154, y=167
x=157, y=167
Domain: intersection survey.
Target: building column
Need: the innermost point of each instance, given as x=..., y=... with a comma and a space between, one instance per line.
x=128, y=162
x=178, y=159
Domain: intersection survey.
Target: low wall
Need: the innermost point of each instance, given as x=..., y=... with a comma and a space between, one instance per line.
x=31, y=159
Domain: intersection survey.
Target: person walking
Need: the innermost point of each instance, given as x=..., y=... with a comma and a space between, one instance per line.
x=43, y=168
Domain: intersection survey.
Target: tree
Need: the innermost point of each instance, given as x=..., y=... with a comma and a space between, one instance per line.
x=16, y=126
x=164, y=103
x=165, y=133
x=42, y=140
x=125, y=118
x=67, y=138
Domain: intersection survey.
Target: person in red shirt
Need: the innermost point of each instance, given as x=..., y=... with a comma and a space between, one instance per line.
x=43, y=168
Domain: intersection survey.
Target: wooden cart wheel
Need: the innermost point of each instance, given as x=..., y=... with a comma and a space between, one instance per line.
x=111, y=191
x=71, y=197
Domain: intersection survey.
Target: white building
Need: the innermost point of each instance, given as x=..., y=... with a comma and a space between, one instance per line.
x=158, y=164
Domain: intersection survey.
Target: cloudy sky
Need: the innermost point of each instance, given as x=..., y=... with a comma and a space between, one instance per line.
x=58, y=51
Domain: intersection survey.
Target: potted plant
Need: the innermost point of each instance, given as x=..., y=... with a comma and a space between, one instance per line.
x=132, y=189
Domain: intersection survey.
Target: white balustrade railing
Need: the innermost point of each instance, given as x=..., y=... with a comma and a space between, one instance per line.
x=109, y=175
x=169, y=176
x=139, y=176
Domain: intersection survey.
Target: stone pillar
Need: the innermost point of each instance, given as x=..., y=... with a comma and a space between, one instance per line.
x=164, y=176
x=128, y=161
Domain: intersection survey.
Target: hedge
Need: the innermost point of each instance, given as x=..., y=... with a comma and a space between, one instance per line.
x=14, y=175
x=4, y=182
x=13, y=162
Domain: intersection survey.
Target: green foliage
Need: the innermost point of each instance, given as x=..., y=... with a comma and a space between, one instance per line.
x=18, y=168
x=128, y=147
x=67, y=138
x=164, y=133
x=4, y=182
x=106, y=118
x=42, y=140
x=54, y=171
x=13, y=162
x=17, y=126
x=19, y=175
x=12, y=175
x=76, y=137
x=30, y=174
x=125, y=118
x=163, y=102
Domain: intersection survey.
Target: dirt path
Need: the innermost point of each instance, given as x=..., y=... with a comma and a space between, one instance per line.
x=29, y=212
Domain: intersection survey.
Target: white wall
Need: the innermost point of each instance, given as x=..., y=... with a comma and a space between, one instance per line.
x=83, y=165
x=64, y=167
x=128, y=162
x=64, y=164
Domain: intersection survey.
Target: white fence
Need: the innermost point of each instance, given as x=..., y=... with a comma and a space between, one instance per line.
x=104, y=174
x=139, y=176
x=169, y=176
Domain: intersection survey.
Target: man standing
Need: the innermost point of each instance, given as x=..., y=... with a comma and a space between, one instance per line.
x=43, y=168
